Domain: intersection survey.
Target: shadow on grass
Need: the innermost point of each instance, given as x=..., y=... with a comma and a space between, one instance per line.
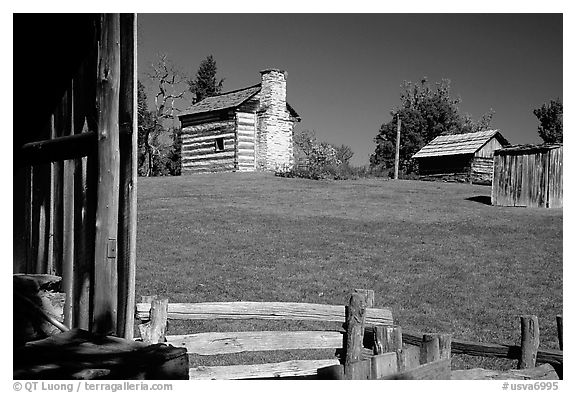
x=481, y=199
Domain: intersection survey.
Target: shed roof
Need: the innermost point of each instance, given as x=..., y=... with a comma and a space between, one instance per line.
x=229, y=100
x=448, y=145
x=528, y=148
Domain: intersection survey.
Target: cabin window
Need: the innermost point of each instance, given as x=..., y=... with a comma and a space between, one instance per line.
x=219, y=144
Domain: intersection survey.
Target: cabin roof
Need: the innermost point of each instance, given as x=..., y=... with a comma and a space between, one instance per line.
x=528, y=148
x=229, y=100
x=448, y=145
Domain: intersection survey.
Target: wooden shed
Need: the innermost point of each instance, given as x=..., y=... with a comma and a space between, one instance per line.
x=75, y=163
x=462, y=157
x=528, y=176
x=249, y=129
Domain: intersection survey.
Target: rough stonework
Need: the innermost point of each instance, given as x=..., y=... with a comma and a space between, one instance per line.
x=243, y=130
x=275, y=140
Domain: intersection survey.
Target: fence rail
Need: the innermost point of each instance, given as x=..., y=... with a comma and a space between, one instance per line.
x=264, y=310
x=369, y=346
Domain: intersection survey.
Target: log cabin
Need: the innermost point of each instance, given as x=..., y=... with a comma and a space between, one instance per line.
x=246, y=130
x=462, y=157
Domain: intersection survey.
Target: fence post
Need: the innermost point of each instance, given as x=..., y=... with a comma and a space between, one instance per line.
x=368, y=296
x=530, y=340
x=445, y=344
x=354, y=337
x=560, y=328
x=389, y=339
x=429, y=348
x=154, y=331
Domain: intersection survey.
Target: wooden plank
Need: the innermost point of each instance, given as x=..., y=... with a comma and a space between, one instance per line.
x=409, y=358
x=215, y=343
x=543, y=372
x=354, y=336
x=445, y=345
x=264, y=310
x=384, y=365
x=358, y=370
x=530, y=341
x=127, y=221
x=387, y=339
x=429, y=348
x=105, y=263
x=58, y=149
x=68, y=243
x=154, y=331
x=206, y=136
x=229, y=153
x=560, y=328
x=437, y=370
x=293, y=368
x=489, y=349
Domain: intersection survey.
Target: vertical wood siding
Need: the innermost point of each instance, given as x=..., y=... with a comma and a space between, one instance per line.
x=55, y=223
x=528, y=179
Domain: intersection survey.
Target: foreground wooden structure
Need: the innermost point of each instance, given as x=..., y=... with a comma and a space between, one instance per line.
x=368, y=346
x=78, y=354
x=528, y=176
x=74, y=202
x=75, y=163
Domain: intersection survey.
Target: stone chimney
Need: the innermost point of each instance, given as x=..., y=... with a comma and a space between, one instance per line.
x=274, y=142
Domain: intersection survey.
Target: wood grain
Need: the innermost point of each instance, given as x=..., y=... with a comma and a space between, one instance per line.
x=542, y=372
x=105, y=263
x=438, y=370
x=291, y=368
x=264, y=310
x=216, y=343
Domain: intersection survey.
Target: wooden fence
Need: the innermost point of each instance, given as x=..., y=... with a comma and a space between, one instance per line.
x=368, y=347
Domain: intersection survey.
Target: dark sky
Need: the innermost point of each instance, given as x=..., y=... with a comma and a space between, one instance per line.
x=345, y=70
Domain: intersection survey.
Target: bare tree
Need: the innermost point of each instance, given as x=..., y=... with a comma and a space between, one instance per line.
x=170, y=89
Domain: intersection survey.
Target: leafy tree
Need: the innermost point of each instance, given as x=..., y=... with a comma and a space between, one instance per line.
x=425, y=113
x=550, y=117
x=205, y=83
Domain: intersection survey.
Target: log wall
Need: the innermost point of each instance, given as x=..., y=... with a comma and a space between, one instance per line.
x=200, y=152
x=246, y=133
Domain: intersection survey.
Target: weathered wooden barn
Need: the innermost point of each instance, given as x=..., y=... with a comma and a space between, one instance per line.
x=74, y=197
x=528, y=176
x=462, y=157
x=246, y=130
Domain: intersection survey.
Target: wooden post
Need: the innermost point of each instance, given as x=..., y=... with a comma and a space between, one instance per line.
x=128, y=178
x=368, y=296
x=530, y=340
x=397, y=156
x=429, y=348
x=560, y=328
x=105, y=258
x=383, y=365
x=154, y=331
x=359, y=370
x=389, y=339
x=445, y=345
x=355, y=319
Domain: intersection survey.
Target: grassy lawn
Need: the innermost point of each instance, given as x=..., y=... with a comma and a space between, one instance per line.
x=436, y=253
